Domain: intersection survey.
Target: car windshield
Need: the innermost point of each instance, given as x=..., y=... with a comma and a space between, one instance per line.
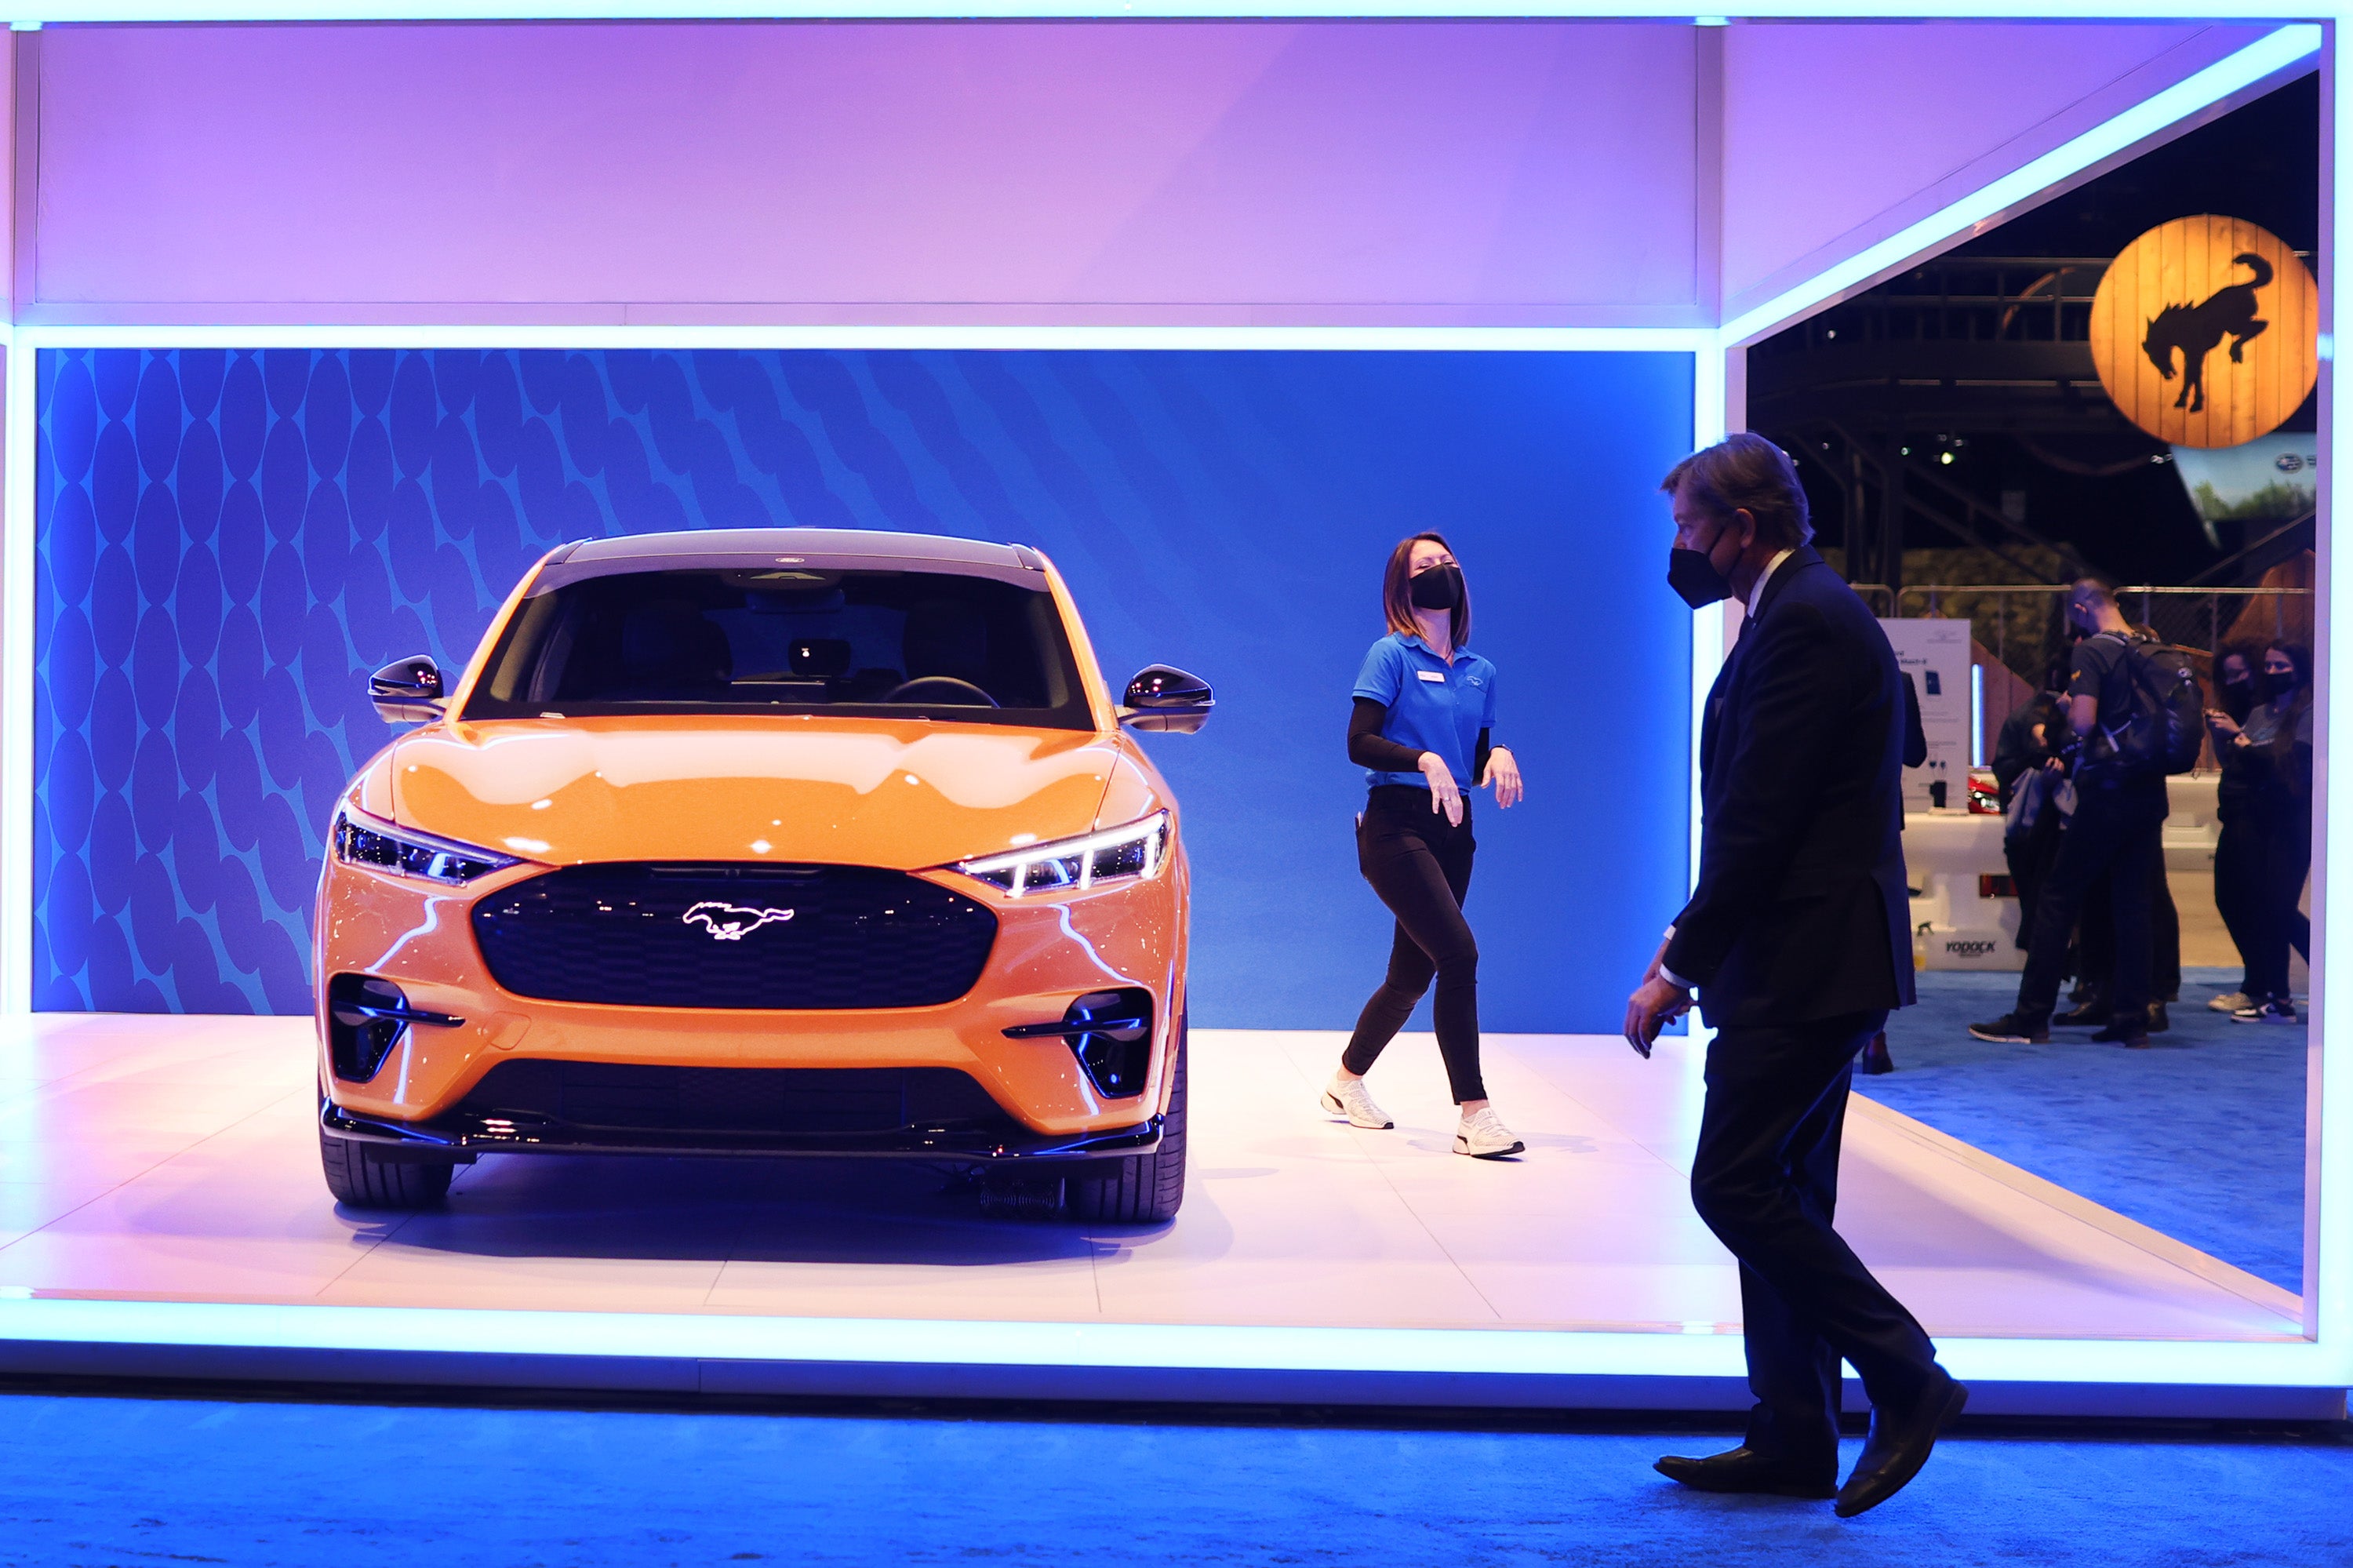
x=889, y=645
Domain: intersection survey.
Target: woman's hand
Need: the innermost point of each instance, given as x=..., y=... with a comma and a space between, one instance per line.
x=1444, y=794
x=1503, y=773
x=2223, y=724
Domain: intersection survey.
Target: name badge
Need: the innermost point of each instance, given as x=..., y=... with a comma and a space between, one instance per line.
x=1437, y=676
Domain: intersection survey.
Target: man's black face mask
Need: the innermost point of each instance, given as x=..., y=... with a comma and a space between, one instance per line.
x=1695, y=578
x=1693, y=574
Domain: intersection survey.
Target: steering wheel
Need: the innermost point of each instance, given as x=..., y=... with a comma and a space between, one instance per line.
x=944, y=689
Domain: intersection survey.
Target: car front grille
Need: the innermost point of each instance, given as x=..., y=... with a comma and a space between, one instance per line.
x=723, y=935
x=805, y=1100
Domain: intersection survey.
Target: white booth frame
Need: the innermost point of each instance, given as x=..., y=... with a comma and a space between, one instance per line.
x=2322, y=1360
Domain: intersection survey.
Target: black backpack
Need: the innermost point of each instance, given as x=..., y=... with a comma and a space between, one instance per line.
x=2166, y=729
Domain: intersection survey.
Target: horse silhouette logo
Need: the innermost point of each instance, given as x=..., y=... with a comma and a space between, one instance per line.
x=731, y=922
x=2197, y=330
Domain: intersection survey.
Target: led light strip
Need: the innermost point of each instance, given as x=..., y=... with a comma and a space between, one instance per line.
x=22, y=15
x=17, y=557
x=593, y=335
x=2329, y=1072
x=1700, y=1352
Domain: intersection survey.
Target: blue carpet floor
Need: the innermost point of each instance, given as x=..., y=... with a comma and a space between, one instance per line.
x=100, y=1481
x=2200, y=1137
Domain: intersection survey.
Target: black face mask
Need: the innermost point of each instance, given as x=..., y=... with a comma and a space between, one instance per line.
x=1695, y=578
x=1441, y=587
x=2239, y=697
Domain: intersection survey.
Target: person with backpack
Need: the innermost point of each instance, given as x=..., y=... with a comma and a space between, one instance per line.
x=2131, y=720
x=2096, y=960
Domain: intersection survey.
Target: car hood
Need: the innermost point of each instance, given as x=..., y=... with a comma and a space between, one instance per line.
x=846, y=791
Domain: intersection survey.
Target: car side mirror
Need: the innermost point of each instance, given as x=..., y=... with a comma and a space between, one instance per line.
x=1162, y=697
x=408, y=690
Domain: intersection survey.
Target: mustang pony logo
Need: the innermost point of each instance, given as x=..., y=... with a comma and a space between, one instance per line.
x=2198, y=330
x=729, y=922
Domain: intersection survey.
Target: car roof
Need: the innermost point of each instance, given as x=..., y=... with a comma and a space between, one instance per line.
x=709, y=549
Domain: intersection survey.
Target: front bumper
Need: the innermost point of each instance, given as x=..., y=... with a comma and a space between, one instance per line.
x=464, y=1135
x=1049, y=950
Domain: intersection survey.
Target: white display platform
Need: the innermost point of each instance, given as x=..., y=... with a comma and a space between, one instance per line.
x=147, y=1160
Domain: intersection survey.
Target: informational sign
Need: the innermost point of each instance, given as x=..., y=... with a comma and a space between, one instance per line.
x=1935, y=653
x=2205, y=331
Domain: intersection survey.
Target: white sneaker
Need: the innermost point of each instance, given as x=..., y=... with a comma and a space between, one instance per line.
x=1347, y=1097
x=1484, y=1136
x=2231, y=1002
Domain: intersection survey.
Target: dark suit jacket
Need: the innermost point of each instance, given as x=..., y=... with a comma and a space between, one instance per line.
x=1800, y=912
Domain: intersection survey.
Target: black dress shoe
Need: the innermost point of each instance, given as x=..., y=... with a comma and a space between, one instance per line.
x=1744, y=1470
x=2123, y=1034
x=1899, y=1445
x=2091, y=1015
x=2158, y=1019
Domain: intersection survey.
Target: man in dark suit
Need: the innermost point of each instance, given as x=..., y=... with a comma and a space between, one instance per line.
x=1797, y=942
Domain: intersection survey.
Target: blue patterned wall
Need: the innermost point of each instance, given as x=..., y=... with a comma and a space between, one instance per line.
x=230, y=541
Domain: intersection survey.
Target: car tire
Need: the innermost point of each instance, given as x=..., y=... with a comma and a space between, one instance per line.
x=360, y=1178
x=1143, y=1188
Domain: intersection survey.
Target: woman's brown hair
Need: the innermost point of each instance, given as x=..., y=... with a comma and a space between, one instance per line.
x=1397, y=592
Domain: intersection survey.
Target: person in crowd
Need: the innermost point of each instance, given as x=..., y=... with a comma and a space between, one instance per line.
x=2116, y=831
x=2095, y=947
x=2237, y=849
x=2031, y=820
x=2276, y=746
x=1797, y=942
x=1875, y=1059
x=1423, y=730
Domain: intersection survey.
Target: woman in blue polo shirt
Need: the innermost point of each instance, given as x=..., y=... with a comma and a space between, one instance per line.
x=1422, y=730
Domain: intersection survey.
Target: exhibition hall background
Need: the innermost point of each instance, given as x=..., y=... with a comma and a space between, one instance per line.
x=228, y=542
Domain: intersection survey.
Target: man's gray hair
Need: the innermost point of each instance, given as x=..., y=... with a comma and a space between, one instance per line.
x=1746, y=473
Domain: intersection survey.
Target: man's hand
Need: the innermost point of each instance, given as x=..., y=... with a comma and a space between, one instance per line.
x=1503, y=773
x=1656, y=1002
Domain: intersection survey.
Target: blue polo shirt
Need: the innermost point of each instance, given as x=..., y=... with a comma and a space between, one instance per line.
x=1433, y=706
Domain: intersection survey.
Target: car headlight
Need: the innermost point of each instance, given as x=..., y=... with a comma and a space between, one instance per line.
x=1115, y=854
x=404, y=852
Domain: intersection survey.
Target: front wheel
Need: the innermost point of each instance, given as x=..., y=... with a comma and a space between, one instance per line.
x=362, y=1179
x=1142, y=1189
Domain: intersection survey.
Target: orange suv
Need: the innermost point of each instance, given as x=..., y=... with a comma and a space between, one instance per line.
x=764, y=841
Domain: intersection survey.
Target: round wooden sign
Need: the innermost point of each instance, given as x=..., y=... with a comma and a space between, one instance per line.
x=2205, y=331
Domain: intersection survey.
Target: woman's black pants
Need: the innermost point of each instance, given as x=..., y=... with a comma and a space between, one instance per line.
x=2282, y=857
x=1420, y=864
x=2239, y=895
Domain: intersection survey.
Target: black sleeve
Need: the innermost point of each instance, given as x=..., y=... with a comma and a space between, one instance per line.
x=1368, y=747
x=2013, y=751
x=1486, y=748
x=1915, y=738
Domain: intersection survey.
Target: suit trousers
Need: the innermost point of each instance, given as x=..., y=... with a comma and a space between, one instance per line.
x=1764, y=1180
